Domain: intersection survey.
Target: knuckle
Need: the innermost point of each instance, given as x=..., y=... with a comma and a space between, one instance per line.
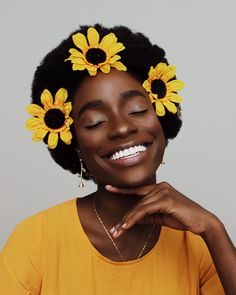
x=166, y=192
x=164, y=185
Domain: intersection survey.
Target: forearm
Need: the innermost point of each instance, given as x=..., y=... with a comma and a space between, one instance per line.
x=223, y=254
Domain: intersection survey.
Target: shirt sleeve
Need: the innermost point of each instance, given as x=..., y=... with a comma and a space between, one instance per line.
x=209, y=280
x=20, y=263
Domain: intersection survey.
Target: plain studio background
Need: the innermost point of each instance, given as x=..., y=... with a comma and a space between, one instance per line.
x=199, y=39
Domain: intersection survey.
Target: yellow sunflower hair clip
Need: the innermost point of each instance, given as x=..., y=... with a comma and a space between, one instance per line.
x=93, y=55
x=53, y=118
x=161, y=90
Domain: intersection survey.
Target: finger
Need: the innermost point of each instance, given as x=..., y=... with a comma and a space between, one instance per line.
x=142, y=190
x=150, y=199
x=159, y=204
x=130, y=213
x=137, y=191
x=131, y=218
x=155, y=218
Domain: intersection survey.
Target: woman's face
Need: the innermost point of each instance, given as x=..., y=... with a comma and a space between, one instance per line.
x=119, y=135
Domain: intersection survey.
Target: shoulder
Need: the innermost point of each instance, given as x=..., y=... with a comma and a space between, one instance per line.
x=31, y=230
x=54, y=213
x=21, y=259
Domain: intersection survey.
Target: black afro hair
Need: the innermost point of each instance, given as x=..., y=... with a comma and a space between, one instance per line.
x=54, y=73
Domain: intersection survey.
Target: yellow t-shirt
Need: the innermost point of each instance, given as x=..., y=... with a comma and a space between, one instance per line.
x=50, y=254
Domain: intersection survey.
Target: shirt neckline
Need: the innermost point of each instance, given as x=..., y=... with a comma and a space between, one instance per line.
x=108, y=260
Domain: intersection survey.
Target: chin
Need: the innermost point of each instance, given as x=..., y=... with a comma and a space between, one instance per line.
x=131, y=180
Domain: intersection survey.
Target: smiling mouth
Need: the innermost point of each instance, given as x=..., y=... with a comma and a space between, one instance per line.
x=128, y=152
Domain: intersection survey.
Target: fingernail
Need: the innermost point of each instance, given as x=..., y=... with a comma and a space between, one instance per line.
x=108, y=186
x=119, y=232
x=124, y=225
x=115, y=233
x=112, y=230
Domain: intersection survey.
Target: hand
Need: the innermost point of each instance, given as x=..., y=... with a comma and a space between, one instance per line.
x=164, y=205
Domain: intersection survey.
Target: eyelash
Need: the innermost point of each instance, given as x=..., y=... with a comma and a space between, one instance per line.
x=93, y=126
x=139, y=112
x=98, y=123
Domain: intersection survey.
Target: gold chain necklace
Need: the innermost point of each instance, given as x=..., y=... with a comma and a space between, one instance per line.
x=114, y=244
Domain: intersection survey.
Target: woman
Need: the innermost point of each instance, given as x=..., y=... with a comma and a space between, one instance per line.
x=105, y=101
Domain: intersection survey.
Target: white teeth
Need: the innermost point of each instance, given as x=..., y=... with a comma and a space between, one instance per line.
x=126, y=152
x=130, y=152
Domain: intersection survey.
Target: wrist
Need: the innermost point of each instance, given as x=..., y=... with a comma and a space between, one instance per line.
x=213, y=229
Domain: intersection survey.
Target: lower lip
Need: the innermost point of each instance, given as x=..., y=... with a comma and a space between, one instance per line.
x=130, y=160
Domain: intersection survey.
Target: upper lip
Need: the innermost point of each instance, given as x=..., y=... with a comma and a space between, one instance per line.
x=125, y=146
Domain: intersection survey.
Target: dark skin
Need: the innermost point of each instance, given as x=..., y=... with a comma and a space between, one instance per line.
x=128, y=198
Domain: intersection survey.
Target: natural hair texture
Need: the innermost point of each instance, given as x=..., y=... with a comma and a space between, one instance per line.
x=53, y=73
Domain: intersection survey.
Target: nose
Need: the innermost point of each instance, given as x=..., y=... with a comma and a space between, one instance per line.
x=121, y=126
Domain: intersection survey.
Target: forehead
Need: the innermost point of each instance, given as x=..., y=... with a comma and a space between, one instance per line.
x=106, y=87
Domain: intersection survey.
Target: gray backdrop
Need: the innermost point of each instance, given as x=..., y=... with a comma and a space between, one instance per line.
x=199, y=38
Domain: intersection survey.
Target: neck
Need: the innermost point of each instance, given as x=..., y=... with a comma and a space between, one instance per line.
x=113, y=206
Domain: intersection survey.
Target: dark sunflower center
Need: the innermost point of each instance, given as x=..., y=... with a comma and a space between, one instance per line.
x=54, y=118
x=158, y=87
x=95, y=56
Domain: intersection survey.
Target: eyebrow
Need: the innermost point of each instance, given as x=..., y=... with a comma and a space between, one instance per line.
x=95, y=103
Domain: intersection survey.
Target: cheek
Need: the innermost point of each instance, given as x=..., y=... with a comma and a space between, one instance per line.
x=88, y=143
x=156, y=130
x=154, y=126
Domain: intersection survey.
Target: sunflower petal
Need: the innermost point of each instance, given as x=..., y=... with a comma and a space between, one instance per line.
x=168, y=73
x=35, y=110
x=151, y=74
x=39, y=134
x=175, y=85
x=174, y=97
x=68, y=107
x=93, y=37
x=66, y=136
x=80, y=41
x=114, y=58
x=52, y=140
x=119, y=66
x=107, y=41
x=91, y=67
x=171, y=107
x=78, y=61
x=46, y=99
x=92, y=72
x=147, y=86
x=33, y=123
x=76, y=53
x=105, y=68
x=160, y=68
x=61, y=96
x=153, y=96
x=68, y=122
x=160, y=110
x=77, y=67
x=115, y=48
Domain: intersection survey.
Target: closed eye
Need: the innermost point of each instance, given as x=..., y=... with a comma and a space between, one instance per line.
x=93, y=126
x=139, y=112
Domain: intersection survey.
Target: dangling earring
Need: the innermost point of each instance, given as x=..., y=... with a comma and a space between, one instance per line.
x=81, y=184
